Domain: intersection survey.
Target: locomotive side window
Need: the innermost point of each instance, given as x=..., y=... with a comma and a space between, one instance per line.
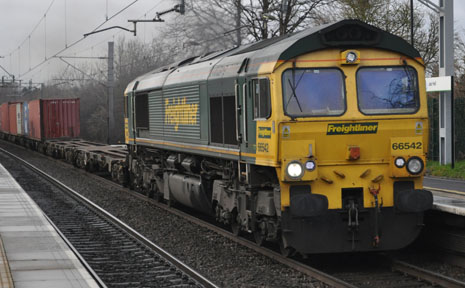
x=387, y=90
x=223, y=120
x=216, y=120
x=313, y=92
x=229, y=120
x=261, y=96
x=142, y=111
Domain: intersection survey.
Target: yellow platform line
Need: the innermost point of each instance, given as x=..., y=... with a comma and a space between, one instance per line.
x=6, y=281
x=445, y=190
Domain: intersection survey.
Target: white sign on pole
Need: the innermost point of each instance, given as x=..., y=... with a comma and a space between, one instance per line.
x=439, y=84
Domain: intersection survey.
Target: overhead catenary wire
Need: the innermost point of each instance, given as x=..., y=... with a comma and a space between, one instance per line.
x=119, y=32
x=66, y=25
x=84, y=73
x=28, y=38
x=11, y=75
x=45, y=36
x=49, y=57
x=77, y=41
x=35, y=27
x=29, y=52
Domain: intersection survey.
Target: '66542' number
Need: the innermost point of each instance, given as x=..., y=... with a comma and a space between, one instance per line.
x=407, y=145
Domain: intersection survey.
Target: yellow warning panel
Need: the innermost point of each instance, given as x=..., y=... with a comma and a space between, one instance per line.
x=286, y=132
x=419, y=128
x=126, y=130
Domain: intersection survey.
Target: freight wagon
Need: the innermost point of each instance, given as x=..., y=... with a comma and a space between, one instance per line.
x=15, y=111
x=54, y=118
x=52, y=127
x=4, y=118
x=36, y=121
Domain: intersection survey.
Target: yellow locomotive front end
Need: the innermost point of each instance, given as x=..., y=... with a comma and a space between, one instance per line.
x=352, y=141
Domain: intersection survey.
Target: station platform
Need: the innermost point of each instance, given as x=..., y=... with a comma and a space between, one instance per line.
x=32, y=253
x=449, y=194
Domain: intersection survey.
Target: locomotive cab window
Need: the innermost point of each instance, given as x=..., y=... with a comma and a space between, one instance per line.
x=261, y=96
x=387, y=90
x=313, y=92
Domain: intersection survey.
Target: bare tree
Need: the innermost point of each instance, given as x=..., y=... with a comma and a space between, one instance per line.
x=265, y=19
x=207, y=26
x=211, y=25
x=392, y=16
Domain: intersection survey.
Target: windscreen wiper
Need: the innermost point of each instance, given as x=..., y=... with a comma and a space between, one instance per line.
x=293, y=87
x=293, y=95
x=406, y=70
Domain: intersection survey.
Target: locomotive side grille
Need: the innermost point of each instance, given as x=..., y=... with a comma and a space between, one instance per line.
x=181, y=109
x=352, y=34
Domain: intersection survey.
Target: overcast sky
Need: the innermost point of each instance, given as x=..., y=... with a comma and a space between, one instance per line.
x=67, y=21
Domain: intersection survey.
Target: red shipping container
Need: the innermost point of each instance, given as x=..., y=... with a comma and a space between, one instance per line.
x=4, y=118
x=15, y=115
x=54, y=118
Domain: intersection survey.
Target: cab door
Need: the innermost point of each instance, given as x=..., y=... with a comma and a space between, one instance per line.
x=129, y=117
x=245, y=126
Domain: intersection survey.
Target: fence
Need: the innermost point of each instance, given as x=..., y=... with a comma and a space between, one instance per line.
x=459, y=124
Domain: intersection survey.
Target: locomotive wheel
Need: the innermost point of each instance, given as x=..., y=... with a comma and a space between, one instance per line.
x=258, y=237
x=131, y=181
x=285, y=251
x=235, y=225
x=158, y=196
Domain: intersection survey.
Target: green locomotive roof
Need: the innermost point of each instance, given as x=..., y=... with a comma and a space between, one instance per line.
x=343, y=34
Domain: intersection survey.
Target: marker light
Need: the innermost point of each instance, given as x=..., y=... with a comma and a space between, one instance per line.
x=310, y=165
x=415, y=165
x=351, y=57
x=399, y=162
x=295, y=170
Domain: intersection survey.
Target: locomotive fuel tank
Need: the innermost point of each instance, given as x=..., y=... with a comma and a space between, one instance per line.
x=187, y=190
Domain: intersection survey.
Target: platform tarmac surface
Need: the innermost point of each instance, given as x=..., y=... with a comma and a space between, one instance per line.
x=457, y=186
x=449, y=194
x=32, y=253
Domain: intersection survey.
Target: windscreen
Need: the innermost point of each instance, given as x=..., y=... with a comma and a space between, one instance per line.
x=313, y=92
x=387, y=90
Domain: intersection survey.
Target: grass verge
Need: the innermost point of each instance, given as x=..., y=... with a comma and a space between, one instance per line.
x=434, y=169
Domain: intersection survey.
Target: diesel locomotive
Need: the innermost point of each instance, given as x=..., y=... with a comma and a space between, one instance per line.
x=315, y=140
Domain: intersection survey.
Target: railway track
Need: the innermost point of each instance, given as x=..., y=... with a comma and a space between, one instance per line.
x=392, y=273
x=119, y=255
x=383, y=271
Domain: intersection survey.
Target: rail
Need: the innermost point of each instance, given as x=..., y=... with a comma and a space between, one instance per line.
x=176, y=262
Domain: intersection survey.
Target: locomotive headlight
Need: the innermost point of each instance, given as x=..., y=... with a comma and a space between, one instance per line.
x=310, y=165
x=400, y=162
x=295, y=170
x=415, y=165
x=351, y=57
